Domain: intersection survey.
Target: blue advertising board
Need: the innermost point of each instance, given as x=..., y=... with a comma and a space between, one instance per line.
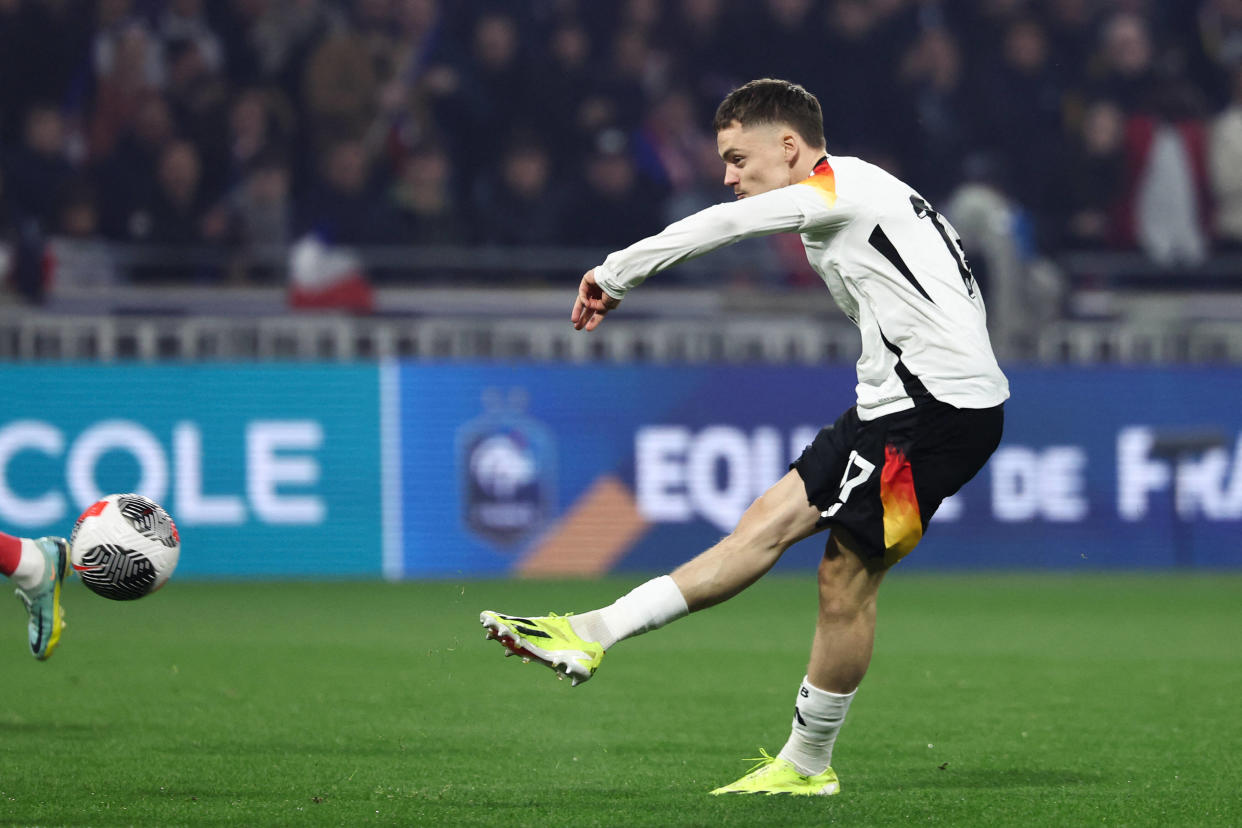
x=558, y=469
x=490, y=469
x=269, y=470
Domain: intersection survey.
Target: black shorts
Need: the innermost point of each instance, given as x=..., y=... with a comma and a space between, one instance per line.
x=883, y=479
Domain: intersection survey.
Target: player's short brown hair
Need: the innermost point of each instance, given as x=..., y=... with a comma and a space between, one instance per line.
x=772, y=101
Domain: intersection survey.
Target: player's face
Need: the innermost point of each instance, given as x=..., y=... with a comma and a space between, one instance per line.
x=756, y=158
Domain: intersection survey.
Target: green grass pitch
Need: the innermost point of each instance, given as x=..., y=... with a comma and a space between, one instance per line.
x=1059, y=700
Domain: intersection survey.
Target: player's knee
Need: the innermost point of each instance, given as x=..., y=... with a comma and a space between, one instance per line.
x=843, y=601
x=843, y=607
x=845, y=591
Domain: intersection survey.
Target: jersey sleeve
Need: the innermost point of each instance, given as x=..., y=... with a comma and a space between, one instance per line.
x=797, y=208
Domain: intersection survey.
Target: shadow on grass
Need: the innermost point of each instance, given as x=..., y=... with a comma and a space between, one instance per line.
x=1000, y=778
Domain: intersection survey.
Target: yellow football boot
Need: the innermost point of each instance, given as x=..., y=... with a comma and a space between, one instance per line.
x=547, y=639
x=774, y=775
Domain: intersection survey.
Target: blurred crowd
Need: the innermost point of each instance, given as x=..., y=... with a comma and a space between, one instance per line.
x=246, y=125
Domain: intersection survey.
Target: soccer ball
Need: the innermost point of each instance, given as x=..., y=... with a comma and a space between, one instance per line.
x=124, y=547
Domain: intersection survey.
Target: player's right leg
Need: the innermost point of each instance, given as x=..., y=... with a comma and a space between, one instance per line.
x=574, y=645
x=38, y=568
x=778, y=519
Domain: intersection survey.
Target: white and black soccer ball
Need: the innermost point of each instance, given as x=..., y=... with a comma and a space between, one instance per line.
x=124, y=546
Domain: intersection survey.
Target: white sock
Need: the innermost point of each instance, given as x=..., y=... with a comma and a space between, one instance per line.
x=29, y=573
x=644, y=608
x=818, y=715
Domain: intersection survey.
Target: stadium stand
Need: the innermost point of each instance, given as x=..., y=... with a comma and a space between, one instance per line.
x=169, y=157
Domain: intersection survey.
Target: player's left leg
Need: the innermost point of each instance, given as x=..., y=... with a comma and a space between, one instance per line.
x=840, y=655
x=845, y=627
x=38, y=568
x=922, y=457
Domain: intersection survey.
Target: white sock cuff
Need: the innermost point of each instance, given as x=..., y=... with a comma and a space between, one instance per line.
x=30, y=566
x=662, y=599
x=647, y=607
x=824, y=698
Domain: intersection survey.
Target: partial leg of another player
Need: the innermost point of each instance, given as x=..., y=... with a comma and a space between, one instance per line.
x=840, y=655
x=38, y=568
x=574, y=645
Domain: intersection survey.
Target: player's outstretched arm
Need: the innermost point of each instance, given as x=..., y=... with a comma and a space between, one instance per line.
x=783, y=210
x=592, y=303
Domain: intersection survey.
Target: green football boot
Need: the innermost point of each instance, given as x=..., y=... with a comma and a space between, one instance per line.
x=547, y=639
x=47, y=617
x=774, y=775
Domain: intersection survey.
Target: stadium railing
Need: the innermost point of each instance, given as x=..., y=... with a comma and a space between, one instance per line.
x=490, y=302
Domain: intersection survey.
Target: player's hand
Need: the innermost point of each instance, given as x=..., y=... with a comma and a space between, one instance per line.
x=592, y=304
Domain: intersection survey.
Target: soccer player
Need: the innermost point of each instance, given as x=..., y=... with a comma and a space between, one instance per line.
x=38, y=568
x=929, y=411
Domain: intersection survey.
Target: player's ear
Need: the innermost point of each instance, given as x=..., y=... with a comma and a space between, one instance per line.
x=789, y=143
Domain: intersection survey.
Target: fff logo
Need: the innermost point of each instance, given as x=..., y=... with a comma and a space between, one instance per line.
x=506, y=464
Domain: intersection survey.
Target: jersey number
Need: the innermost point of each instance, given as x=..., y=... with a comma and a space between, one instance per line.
x=865, y=468
x=924, y=210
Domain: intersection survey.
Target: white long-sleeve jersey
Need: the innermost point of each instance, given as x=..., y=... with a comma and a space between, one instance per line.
x=893, y=264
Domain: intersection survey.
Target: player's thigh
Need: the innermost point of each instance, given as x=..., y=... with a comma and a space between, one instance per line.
x=782, y=515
